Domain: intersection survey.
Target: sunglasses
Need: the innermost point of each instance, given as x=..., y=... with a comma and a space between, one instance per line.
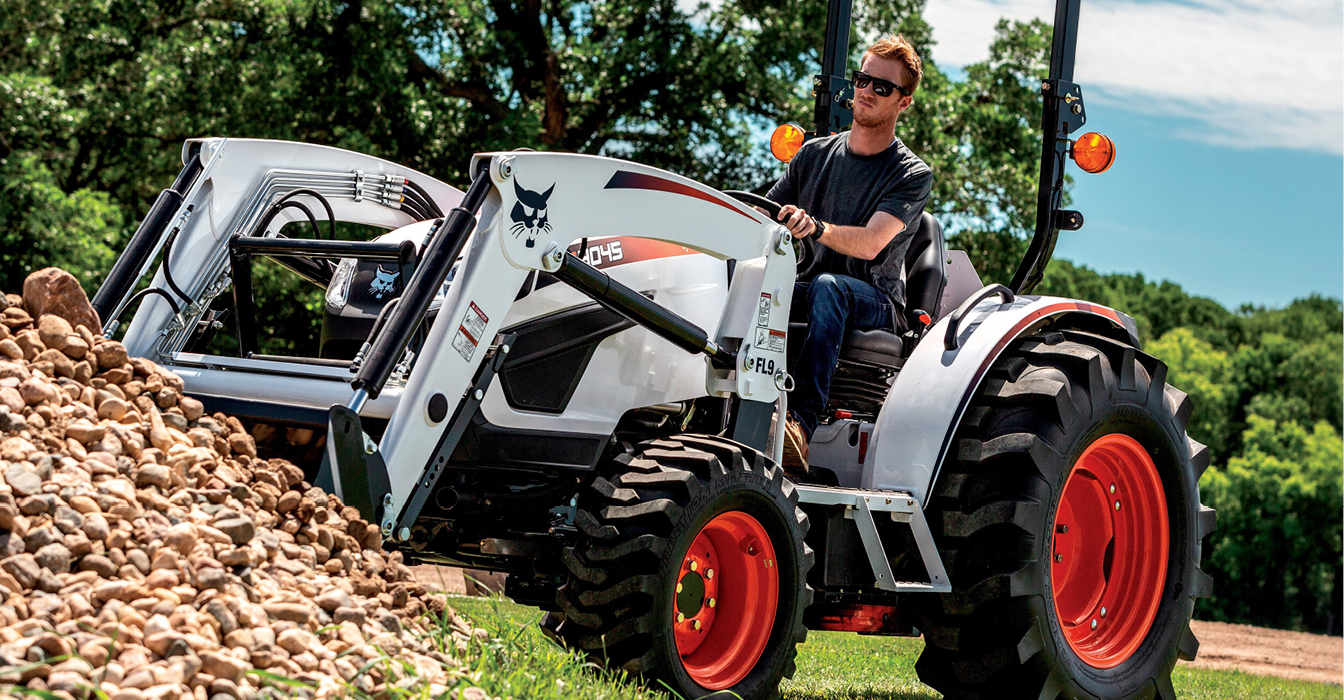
x=882, y=87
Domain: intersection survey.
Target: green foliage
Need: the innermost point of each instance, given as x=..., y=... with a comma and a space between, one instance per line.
x=1204, y=373
x=43, y=226
x=1277, y=555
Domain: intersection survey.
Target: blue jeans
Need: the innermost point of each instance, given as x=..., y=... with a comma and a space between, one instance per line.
x=831, y=305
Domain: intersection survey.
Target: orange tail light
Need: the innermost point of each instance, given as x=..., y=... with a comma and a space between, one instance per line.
x=1093, y=152
x=785, y=142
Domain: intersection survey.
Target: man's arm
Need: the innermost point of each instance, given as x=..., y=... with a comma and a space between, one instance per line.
x=863, y=242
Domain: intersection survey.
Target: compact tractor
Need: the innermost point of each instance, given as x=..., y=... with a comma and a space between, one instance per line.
x=570, y=371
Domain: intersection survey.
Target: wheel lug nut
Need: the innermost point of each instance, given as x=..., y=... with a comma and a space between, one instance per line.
x=712, y=602
x=696, y=625
x=1059, y=557
x=1063, y=529
x=1112, y=488
x=1103, y=612
x=1094, y=624
x=694, y=566
x=681, y=617
x=1117, y=505
x=678, y=587
x=709, y=573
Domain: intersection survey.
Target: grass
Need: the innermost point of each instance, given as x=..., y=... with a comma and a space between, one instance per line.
x=520, y=662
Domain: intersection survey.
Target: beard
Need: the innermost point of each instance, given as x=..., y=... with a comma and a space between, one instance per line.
x=873, y=118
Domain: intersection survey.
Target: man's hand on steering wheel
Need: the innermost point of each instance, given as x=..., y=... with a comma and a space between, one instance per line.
x=799, y=223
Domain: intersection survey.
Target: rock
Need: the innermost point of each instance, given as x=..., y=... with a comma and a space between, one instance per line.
x=23, y=481
x=296, y=641
x=55, y=557
x=85, y=432
x=350, y=614
x=289, y=500
x=55, y=331
x=152, y=475
x=57, y=292
x=76, y=348
x=111, y=355
x=333, y=598
x=222, y=665
x=181, y=537
x=290, y=612
x=23, y=567
x=11, y=398
x=98, y=564
x=35, y=391
x=191, y=408
x=240, y=529
x=211, y=578
x=113, y=409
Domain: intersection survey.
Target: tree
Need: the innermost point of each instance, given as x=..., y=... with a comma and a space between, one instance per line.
x=1276, y=555
x=1205, y=374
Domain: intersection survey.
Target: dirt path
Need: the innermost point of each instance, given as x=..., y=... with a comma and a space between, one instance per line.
x=1266, y=652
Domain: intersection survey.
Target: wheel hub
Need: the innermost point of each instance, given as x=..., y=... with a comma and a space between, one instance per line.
x=1109, y=550
x=726, y=596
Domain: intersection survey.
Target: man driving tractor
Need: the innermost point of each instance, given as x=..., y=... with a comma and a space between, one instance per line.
x=859, y=194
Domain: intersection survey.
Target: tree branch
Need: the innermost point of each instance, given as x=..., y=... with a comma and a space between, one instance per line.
x=477, y=94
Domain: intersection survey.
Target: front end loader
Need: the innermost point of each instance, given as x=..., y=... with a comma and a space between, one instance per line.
x=570, y=370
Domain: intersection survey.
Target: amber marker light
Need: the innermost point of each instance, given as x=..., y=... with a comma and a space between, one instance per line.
x=1093, y=152
x=786, y=141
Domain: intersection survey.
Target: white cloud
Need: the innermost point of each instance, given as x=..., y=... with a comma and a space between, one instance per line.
x=1251, y=72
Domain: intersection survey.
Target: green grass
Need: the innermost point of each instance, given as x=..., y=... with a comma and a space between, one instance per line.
x=520, y=662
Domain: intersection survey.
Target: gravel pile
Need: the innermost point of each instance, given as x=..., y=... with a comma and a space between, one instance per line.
x=148, y=553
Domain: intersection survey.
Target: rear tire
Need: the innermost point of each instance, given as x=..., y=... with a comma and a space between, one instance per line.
x=1057, y=405
x=655, y=511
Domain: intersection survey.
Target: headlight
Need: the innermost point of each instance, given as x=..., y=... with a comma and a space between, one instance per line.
x=338, y=292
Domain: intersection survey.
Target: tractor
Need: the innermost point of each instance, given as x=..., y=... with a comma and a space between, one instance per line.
x=570, y=370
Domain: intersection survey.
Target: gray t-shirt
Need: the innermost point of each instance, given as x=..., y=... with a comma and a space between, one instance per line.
x=837, y=186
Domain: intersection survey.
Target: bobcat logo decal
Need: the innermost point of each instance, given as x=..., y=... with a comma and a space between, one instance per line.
x=529, y=213
x=382, y=283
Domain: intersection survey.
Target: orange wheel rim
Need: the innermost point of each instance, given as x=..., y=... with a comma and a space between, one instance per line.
x=1109, y=551
x=726, y=594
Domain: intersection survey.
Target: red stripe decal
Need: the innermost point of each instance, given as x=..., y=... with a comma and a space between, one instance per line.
x=626, y=180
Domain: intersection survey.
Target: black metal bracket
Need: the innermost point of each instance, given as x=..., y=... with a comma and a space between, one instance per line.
x=834, y=105
x=1068, y=98
x=1068, y=220
x=353, y=458
x=457, y=427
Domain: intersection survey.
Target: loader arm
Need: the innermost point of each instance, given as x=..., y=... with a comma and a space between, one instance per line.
x=520, y=215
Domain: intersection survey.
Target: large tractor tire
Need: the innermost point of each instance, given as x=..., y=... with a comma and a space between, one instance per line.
x=1068, y=516
x=690, y=569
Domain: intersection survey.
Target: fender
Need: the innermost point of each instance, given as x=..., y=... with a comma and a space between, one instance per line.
x=925, y=405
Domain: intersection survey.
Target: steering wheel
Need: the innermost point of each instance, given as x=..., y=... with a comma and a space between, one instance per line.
x=803, y=248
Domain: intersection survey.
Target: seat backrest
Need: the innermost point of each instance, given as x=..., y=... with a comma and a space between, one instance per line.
x=925, y=275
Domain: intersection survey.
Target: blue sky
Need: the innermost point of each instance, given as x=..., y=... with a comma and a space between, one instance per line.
x=1229, y=122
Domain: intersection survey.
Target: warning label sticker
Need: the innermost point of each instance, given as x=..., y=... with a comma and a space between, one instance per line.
x=763, y=311
x=770, y=340
x=469, y=332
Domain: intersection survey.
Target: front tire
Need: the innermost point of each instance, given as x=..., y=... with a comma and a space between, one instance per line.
x=690, y=569
x=1070, y=523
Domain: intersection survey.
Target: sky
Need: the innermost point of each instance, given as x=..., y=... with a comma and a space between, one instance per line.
x=1228, y=118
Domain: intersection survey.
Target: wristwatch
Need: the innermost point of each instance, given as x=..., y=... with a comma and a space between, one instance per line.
x=818, y=228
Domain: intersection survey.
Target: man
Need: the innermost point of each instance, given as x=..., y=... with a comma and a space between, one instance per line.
x=859, y=195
